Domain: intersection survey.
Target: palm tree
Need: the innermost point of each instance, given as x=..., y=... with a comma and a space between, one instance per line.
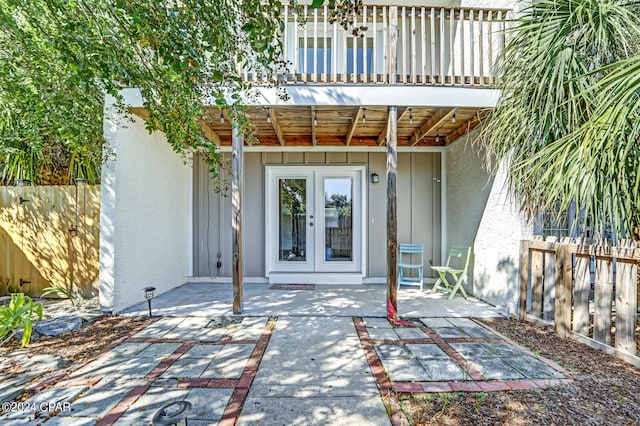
x=567, y=121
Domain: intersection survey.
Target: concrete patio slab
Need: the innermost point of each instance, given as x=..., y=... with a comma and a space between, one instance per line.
x=427, y=351
x=95, y=403
x=142, y=411
x=367, y=300
x=405, y=370
x=443, y=370
x=208, y=405
x=316, y=411
x=494, y=368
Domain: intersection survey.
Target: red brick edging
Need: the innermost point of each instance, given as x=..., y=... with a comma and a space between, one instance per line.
x=236, y=402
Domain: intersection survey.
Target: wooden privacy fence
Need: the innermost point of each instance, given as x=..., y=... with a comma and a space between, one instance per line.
x=589, y=292
x=49, y=235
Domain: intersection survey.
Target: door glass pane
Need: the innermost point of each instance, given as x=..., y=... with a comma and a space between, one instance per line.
x=338, y=207
x=292, y=206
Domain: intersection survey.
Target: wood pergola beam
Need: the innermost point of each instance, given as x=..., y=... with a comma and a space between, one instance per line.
x=466, y=126
x=209, y=132
x=314, y=141
x=206, y=129
x=383, y=134
x=433, y=124
x=357, y=115
x=276, y=127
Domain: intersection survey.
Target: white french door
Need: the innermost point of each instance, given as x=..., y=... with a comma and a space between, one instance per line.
x=314, y=219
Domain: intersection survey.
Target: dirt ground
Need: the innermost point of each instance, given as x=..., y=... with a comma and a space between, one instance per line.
x=605, y=390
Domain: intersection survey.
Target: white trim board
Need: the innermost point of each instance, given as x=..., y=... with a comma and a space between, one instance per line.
x=315, y=278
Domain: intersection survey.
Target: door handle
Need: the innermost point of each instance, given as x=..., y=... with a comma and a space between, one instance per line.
x=310, y=216
x=310, y=223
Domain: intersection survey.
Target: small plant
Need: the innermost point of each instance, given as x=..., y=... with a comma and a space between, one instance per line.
x=60, y=292
x=445, y=403
x=618, y=394
x=478, y=402
x=19, y=314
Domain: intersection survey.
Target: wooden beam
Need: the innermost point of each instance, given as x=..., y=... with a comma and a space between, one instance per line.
x=140, y=112
x=236, y=216
x=357, y=115
x=392, y=168
x=383, y=134
x=276, y=127
x=314, y=141
x=432, y=124
x=466, y=127
x=209, y=132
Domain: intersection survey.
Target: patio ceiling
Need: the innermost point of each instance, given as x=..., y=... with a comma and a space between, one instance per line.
x=348, y=125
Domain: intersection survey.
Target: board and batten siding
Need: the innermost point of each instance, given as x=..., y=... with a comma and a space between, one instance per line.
x=419, y=208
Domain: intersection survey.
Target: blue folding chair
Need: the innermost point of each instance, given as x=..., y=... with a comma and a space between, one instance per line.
x=408, y=255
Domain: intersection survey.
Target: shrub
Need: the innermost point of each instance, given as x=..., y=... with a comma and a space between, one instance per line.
x=19, y=314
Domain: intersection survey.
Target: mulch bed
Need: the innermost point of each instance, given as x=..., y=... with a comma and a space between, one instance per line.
x=605, y=390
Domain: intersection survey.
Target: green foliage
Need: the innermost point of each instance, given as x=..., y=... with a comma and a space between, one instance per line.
x=19, y=314
x=59, y=292
x=567, y=122
x=60, y=58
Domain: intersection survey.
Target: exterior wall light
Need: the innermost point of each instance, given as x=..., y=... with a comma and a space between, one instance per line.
x=375, y=178
x=148, y=294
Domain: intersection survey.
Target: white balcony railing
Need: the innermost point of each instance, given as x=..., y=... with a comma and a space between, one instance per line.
x=436, y=46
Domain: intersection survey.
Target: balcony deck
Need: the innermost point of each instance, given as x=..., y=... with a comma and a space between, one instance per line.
x=435, y=46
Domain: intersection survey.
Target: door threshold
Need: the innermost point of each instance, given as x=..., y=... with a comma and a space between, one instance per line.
x=317, y=278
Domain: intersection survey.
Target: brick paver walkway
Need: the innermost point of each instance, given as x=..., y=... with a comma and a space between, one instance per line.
x=260, y=370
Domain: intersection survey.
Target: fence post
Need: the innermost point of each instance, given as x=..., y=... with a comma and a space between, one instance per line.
x=564, y=266
x=549, y=297
x=537, y=283
x=524, y=278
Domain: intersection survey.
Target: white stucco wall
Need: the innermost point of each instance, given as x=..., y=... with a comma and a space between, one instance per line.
x=144, y=235
x=481, y=214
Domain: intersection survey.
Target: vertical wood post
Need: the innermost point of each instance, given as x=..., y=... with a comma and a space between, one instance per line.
x=564, y=267
x=524, y=279
x=236, y=216
x=581, y=291
x=626, y=303
x=537, y=284
x=549, y=297
x=392, y=167
x=603, y=294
